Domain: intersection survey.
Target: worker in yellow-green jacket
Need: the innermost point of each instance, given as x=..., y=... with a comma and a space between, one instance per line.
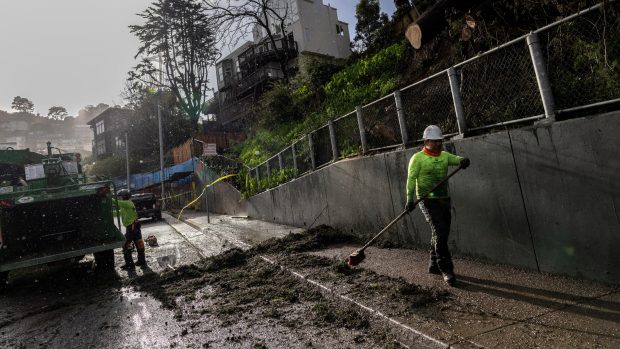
x=427, y=168
x=129, y=219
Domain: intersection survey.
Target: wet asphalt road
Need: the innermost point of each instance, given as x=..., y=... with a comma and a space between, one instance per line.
x=73, y=306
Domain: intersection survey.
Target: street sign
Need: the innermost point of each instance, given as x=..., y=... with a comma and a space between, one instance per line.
x=209, y=149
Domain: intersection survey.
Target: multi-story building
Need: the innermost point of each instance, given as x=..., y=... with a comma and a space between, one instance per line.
x=312, y=29
x=109, y=129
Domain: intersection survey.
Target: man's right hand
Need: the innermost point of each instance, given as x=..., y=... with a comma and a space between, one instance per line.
x=410, y=206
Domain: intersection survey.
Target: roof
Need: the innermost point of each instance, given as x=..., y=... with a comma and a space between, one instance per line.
x=109, y=111
x=20, y=157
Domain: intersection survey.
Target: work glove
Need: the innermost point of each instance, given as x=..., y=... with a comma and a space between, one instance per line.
x=464, y=163
x=410, y=206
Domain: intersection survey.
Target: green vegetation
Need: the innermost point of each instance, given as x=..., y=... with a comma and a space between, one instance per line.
x=254, y=186
x=107, y=168
x=287, y=112
x=581, y=58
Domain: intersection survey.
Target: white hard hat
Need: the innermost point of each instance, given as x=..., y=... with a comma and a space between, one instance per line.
x=432, y=132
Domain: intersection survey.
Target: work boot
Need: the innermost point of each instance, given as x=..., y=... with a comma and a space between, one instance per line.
x=128, y=261
x=449, y=278
x=434, y=269
x=141, y=258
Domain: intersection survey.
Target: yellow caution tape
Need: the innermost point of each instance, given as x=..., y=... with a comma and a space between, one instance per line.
x=203, y=193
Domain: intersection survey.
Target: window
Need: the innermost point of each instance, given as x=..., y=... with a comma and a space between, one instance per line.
x=119, y=142
x=99, y=127
x=339, y=30
x=101, y=147
x=220, y=73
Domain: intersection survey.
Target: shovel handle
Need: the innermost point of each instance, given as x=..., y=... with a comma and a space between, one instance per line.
x=383, y=230
x=405, y=211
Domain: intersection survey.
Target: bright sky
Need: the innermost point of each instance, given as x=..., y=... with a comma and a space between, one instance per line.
x=73, y=53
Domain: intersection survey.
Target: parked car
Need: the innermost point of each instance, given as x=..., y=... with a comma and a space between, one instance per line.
x=147, y=205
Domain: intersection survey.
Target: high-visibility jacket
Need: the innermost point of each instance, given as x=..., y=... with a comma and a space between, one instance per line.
x=127, y=211
x=426, y=170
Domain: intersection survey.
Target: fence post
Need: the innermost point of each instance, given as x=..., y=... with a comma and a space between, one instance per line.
x=294, y=151
x=207, y=205
x=458, y=101
x=401, y=117
x=257, y=174
x=332, y=138
x=360, y=124
x=268, y=171
x=280, y=160
x=311, y=145
x=542, y=77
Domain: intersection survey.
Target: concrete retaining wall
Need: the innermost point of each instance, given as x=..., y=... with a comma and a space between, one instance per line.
x=227, y=200
x=545, y=197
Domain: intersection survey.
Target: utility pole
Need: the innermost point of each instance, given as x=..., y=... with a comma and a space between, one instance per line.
x=127, y=160
x=161, y=134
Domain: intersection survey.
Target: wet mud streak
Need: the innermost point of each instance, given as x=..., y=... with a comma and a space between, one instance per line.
x=238, y=286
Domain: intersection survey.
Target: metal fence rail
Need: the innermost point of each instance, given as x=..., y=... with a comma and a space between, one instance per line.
x=514, y=93
x=429, y=102
x=571, y=64
x=583, y=58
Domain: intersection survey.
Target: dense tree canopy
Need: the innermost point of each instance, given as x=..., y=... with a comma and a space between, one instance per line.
x=22, y=104
x=179, y=33
x=57, y=113
x=371, y=29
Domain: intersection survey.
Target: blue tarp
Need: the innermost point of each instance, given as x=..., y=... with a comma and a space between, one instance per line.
x=177, y=173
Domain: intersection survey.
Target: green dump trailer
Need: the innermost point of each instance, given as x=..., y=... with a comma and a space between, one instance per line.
x=50, y=213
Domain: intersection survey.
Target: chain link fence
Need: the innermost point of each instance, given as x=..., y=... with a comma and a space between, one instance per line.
x=274, y=167
x=500, y=86
x=302, y=152
x=263, y=173
x=348, y=135
x=381, y=123
x=429, y=102
x=322, y=146
x=288, y=162
x=583, y=57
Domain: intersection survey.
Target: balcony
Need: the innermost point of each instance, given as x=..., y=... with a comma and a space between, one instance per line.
x=247, y=84
x=265, y=52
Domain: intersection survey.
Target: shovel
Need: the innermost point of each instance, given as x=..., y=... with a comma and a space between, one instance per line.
x=358, y=256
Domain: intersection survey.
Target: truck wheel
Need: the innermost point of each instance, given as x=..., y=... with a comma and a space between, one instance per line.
x=104, y=260
x=4, y=278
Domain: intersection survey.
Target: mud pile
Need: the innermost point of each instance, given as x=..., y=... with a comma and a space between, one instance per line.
x=240, y=287
x=316, y=238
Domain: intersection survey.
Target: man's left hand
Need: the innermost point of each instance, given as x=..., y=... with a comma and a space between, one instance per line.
x=464, y=163
x=409, y=206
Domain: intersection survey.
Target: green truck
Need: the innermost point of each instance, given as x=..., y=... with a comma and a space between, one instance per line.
x=49, y=212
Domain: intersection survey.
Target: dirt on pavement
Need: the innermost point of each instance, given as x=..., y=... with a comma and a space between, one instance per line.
x=262, y=305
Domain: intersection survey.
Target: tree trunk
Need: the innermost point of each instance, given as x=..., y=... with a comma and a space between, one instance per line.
x=433, y=21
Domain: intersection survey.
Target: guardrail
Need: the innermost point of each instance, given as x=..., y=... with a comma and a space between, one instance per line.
x=569, y=65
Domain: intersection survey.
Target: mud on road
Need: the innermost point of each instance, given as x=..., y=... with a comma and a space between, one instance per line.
x=232, y=300
x=237, y=299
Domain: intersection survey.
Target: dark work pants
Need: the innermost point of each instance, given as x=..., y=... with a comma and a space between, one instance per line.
x=438, y=215
x=133, y=234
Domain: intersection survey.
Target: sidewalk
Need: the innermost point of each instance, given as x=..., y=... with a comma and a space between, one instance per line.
x=501, y=306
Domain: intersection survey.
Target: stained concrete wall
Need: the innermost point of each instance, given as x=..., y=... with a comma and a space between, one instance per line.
x=544, y=197
x=227, y=200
